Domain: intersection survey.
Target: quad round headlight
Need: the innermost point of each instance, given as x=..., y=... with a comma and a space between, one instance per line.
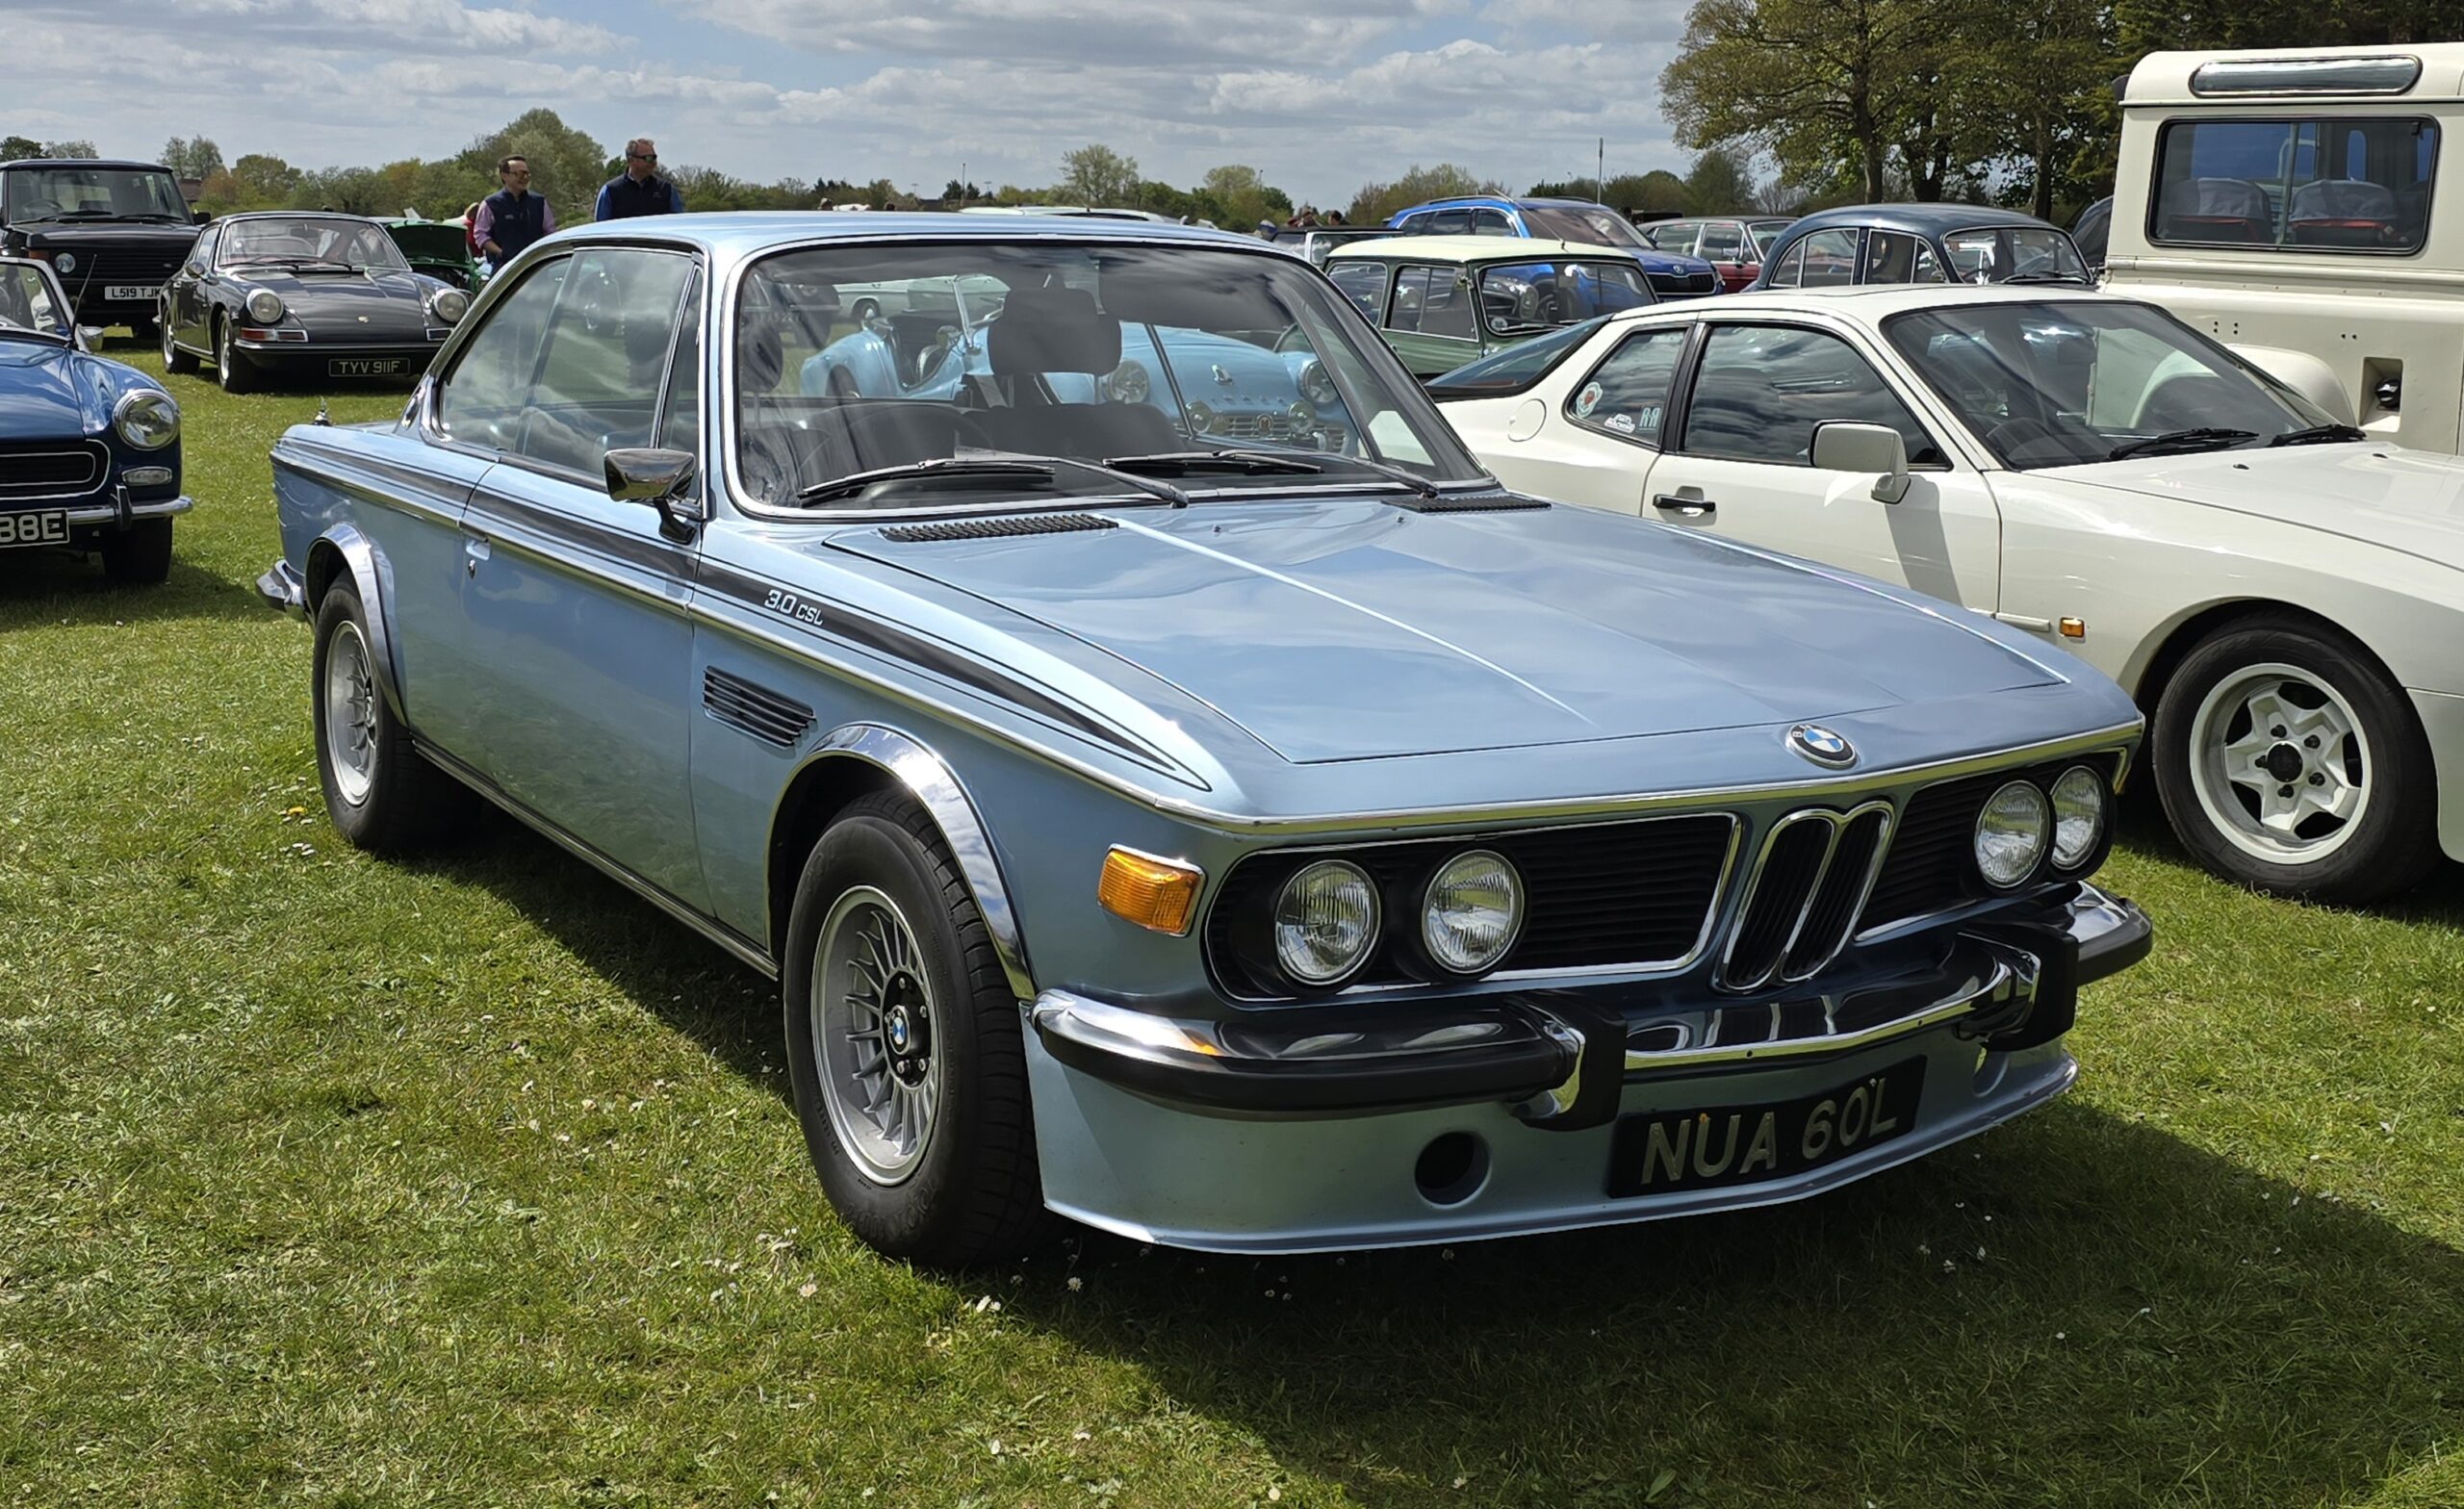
x=1127, y=384
x=450, y=305
x=264, y=306
x=1471, y=912
x=2010, y=834
x=146, y=419
x=2078, y=816
x=1325, y=923
x=1201, y=419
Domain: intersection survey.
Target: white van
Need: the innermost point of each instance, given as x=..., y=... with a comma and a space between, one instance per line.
x=2287, y=203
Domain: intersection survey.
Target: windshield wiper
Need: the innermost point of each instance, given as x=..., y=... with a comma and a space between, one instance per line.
x=1047, y=468
x=2321, y=435
x=1260, y=462
x=2201, y=437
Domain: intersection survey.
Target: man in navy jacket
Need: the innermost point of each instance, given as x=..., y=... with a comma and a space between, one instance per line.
x=513, y=216
x=638, y=189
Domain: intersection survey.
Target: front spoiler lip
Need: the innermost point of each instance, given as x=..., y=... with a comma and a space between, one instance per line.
x=1555, y=1055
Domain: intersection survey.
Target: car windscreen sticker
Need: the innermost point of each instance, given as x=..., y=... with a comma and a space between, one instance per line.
x=1587, y=400
x=1622, y=423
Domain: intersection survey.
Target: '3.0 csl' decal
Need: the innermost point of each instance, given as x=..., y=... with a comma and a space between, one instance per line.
x=789, y=605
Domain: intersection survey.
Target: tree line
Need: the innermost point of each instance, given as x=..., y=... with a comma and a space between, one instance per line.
x=1968, y=99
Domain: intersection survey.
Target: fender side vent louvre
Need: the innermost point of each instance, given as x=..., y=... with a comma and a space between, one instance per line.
x=998, y=528
x=1477, y=504
x=754, y=708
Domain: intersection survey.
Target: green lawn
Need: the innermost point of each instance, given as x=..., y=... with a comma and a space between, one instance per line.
x=332, y=1181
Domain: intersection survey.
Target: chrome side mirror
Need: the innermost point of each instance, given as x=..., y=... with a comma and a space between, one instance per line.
x=1841, y=446
x=663, y=479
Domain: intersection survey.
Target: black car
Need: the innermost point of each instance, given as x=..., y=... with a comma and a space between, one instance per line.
x=112, y=232
x=1868, y=243
x=312, y=296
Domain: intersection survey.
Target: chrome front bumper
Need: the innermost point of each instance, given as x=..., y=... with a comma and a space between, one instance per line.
x=121, y=511
x=283, y=590
x=1301, y=1130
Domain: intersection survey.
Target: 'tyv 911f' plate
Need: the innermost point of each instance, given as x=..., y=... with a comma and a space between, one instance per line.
x=368, y=367
x=1662, y=1152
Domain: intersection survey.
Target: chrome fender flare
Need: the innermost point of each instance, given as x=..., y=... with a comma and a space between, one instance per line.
x=928, y=778
x=368, y=574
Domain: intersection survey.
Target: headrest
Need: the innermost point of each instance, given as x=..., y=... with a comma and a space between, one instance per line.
x=760, y=360
x=2347, y=198
x=1052, y=330
x=2216, y=197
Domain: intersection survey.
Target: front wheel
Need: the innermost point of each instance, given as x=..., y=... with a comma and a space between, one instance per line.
x=2289, y=762
x=381, y=793
x=905, y=1045
x=141, y=554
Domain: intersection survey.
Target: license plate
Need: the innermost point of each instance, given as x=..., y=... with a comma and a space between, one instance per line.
x=48, y=528
x=368, y=367
x=130, y=293
x=1657, y=1153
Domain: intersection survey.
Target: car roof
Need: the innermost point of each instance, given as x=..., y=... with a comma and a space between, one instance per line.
x=1475, y=249
x=729, y=236
x=1874, y=301
x=1923, y=219
x=84, y=161
x=298, y=215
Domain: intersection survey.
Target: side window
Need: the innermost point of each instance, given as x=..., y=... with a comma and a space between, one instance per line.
x=1418, y=224
x=679, y=413
x=1761, y=389
x=1491, y=223
x=1364, y=283
x=605, y=350
x=486, y=392
x=1722, y=241
x=1428, y=302
x=2340, y=183
x=1831, y=259
x=1626, y=396
x=201, y=255
x=1895, y=257
x=1792, y=271
x=1449, y=222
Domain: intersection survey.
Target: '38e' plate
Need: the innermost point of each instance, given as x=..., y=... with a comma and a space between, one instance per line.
x=1665, y=1151
x=47, y=527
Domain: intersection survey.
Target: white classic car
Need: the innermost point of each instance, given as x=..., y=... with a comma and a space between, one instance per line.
x=2283, y=593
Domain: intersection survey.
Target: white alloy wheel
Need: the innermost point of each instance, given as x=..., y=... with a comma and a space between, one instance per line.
x=874, y=1020
x=2281, y=763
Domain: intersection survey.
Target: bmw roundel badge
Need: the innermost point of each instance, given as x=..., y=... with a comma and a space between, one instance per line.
x=1821, y=746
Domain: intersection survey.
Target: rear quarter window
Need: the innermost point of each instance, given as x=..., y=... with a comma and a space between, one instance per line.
x=2333, y=184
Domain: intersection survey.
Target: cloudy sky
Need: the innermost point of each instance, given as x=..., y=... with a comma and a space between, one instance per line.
x=1321, y=96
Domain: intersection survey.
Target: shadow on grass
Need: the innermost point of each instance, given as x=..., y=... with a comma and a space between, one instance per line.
x=2437, y=898
x=52, y=586
x=2076, y=1310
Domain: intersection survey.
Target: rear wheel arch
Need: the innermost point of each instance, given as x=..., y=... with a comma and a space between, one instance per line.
x=855, y=760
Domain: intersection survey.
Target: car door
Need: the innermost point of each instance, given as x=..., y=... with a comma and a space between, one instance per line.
x=1741, y=465
x=1431, y=323
x=180, y=294
x=574, y=605
x=1594, y=438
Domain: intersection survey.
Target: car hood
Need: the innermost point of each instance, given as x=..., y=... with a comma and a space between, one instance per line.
x=42, y=392
x=2408, y=500
x=1351, y=630
x=1666, y=261
x=84, y=235
x=1219, y=371
x=392, y=301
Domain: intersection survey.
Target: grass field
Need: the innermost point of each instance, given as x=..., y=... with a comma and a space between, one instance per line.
x=328, y=1180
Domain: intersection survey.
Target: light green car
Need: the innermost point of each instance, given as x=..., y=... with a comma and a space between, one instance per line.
x=1444, y=301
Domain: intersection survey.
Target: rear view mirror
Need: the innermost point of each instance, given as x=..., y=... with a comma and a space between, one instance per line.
x=661, y=479
x=1841, y=446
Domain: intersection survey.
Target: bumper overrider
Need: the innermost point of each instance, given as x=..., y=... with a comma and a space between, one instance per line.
x=1317, y=1128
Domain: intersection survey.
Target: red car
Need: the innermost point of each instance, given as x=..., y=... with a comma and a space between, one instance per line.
x=1733, y=246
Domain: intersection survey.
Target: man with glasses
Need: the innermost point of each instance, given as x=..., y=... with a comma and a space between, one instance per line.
x=513, y=216
x=638, y=189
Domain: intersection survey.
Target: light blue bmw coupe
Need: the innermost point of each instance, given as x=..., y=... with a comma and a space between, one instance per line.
x=1288, y=845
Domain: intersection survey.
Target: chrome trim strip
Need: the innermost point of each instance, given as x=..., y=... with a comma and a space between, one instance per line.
x=2009, y=974
x=1857, y=910
x=317, y=467
x=674, y=601
x=928, y=778
x=743, y=949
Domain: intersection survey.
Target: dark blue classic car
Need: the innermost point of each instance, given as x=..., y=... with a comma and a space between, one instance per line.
x=1868, y=243
x=1295, y=844
x=89, y=450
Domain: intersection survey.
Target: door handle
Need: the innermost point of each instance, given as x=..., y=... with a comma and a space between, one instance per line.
x=1682, y=506
x=475, y=549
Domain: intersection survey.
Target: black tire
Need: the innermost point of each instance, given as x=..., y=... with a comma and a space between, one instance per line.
x=145, y=329
x=141, y=554
x=407, y=803
x=972, y=1193
x=174, y=359
x=232, y=368
x=2392, y=842
x=866, y=312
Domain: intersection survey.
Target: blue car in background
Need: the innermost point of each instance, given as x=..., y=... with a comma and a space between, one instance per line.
x=1257, y=847
x=1672, y=275
x=90, y=448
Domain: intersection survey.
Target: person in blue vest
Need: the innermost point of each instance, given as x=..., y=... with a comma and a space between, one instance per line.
x=513, y=216
x=638, y=189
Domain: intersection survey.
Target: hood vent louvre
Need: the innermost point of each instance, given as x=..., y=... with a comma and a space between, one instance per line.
x=998, y=528
x=754, y=708
x=1477, y=504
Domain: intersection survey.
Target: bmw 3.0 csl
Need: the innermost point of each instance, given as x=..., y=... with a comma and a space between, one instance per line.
x=1290, y=845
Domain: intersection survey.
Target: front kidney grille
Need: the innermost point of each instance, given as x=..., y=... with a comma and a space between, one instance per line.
x=1608, y=896
x=1802, y=898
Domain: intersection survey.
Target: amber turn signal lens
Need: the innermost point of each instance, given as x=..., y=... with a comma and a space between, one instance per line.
x=1157, y=894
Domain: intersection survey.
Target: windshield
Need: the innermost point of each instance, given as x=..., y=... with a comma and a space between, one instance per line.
x=1513, y=369
x=1764, y=233
x=855, y=359
x=73, y=192
x=29, y=302
x=2064, y=384
x=308, y=240
x=1525, y=296
x=2013, y=254
x=1595, y=224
